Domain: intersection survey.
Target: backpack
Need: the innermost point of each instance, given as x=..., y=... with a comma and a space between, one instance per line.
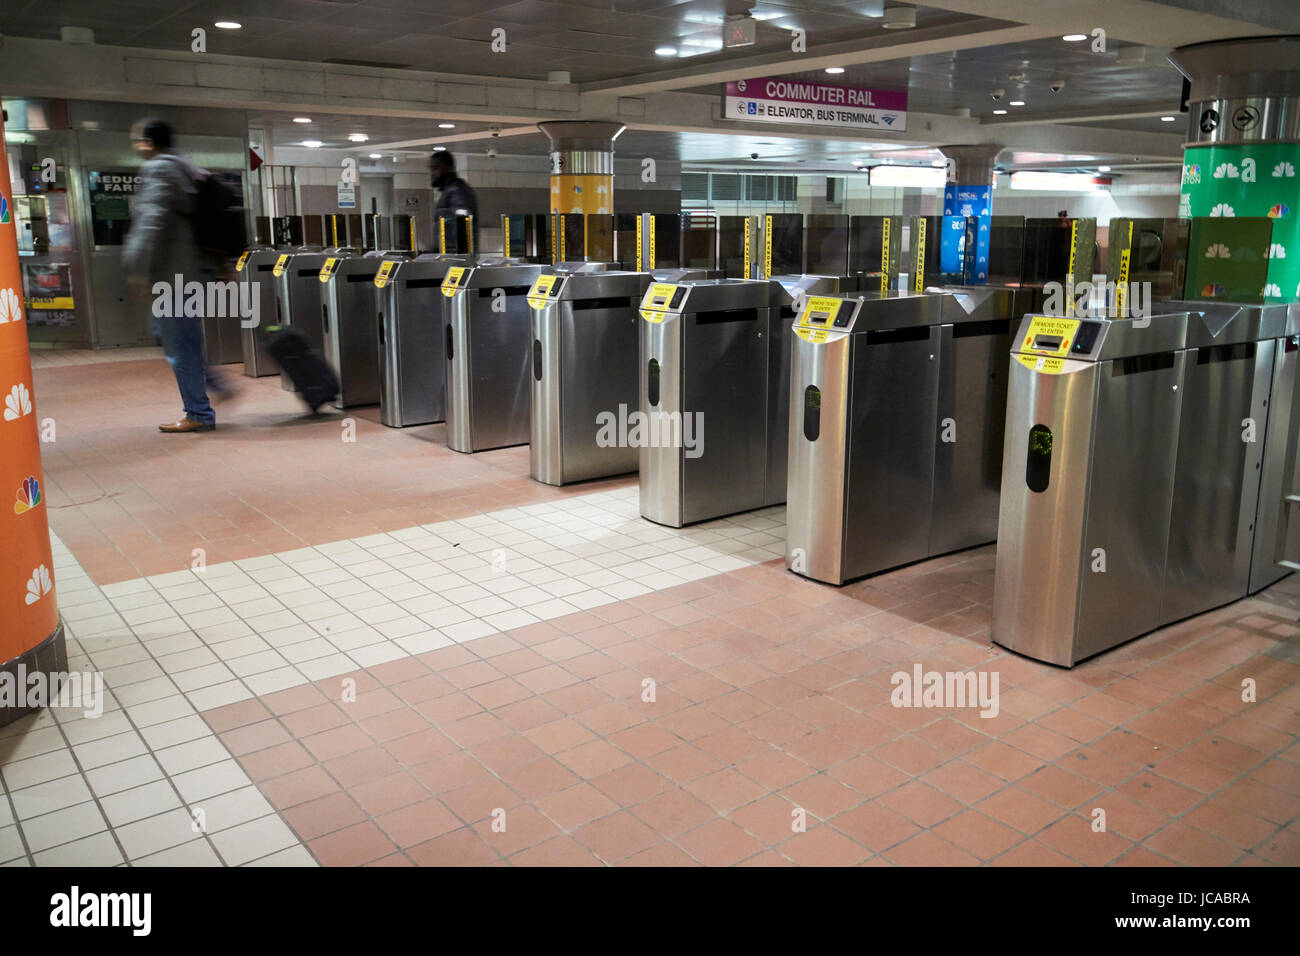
x=219, y=224
x=220, y=228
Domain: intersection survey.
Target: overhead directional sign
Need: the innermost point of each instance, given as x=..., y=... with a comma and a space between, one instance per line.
x=787, y=100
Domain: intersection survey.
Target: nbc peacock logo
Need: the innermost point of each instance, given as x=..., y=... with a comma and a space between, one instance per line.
x=28, y=496
x=4, y=209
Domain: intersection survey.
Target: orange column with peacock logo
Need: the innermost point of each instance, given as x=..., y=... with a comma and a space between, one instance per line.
x=31, y=634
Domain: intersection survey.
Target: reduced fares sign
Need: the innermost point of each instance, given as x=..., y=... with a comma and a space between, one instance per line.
x=784, y=100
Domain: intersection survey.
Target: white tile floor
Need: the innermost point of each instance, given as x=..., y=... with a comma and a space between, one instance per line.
x=128, y=786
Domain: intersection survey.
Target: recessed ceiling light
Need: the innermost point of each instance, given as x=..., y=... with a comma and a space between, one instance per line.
x=376, y=155
x=357, y=137
x=999, y=112
x=1017, y=103
x=1168, y=119
x=312, y=143
x=446, y=126
x=436, y=149
x=228, y=25
x=834, y=69
x=1103, y=169
x=1074, y=37
x=302, y=119
x=665, y=51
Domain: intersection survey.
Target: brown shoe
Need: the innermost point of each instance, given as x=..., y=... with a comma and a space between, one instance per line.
x=187, y=424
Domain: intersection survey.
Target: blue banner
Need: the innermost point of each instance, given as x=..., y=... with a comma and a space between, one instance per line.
x=976, y=201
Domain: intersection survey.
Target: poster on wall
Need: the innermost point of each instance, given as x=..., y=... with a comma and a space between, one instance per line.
x=47, y=293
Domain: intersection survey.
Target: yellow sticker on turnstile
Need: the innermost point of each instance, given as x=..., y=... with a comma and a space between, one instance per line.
x=278, y=268
x=385, y=270
x=650, y=221
x=813, y=324
x=1049, y=336
x=918, y=280
x=451, y=282
x=543, y=288
x=654, y=307
x=327, y=269
x=1121, y=283
x=1041, y=363
x=767, y=248
x=242, y=261
x=639, y=257
x=885, y=264
x=748, y=241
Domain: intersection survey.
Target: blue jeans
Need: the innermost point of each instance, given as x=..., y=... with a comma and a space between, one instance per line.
x=182, y=341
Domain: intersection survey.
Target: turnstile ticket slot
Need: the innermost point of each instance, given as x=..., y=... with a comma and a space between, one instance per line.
x=450, y=356
x=652, y=383
x=1050, y=343
x=717, y=316
x=812, y=412
x=919, y=333
x=1038, y=463
x=537, y=359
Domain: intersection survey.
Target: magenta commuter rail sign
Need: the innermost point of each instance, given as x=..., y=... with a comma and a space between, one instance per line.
x=787, y=100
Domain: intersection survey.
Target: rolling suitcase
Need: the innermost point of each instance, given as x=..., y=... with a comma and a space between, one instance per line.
x=312, y=379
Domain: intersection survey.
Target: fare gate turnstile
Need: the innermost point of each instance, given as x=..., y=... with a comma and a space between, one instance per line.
x=298, y=292
x=895, y=428
x=254, y=271
x=351, y=325
x=584, y=374
x=413, y=360
x=1237, y=427
x=1094, y=415
x=704, y=361
x=489, y=355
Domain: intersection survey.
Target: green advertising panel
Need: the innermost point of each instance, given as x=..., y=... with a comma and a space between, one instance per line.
x=1227, y=259
x=1233, y=181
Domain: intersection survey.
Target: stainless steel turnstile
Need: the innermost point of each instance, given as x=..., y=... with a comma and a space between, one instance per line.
x=584, y=374
x=1230, y=485
x=412, y=359
x=489, y=353
x=704, y=360
x=299, y=293
x=352, y=325
x=897, y=407
x=254, y=273
x=1089, y=471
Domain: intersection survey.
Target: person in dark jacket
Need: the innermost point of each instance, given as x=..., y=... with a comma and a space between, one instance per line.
x=160, y=246
x=457, y=197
